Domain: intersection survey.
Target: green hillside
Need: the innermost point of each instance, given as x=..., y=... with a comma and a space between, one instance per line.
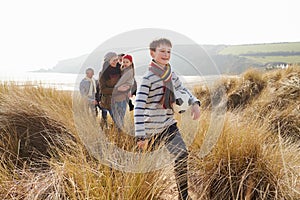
x=261, y=48
x=277, y=59
x=266, y=53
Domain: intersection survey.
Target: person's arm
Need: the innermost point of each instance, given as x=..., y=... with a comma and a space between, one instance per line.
x=134, y=87
x=126, y=81
x=103, y=85
x=84, y=87
x=139, y=110
x=195, y=111
x=97, y=94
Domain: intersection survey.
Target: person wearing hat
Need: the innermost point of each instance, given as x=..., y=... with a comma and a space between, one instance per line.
x=122, y=90
x=108, y=78
x=133, y=88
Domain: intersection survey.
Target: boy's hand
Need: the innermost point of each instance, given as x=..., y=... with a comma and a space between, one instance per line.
x=142, y=144
x=195, y=112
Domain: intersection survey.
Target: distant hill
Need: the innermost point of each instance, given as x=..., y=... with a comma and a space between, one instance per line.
x=195, y=59
x=285, y=52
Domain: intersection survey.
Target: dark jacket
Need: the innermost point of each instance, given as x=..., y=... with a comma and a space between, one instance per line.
x=108, y=78
x=98, y=94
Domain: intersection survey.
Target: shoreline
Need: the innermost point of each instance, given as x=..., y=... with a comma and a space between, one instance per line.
x=70, y=82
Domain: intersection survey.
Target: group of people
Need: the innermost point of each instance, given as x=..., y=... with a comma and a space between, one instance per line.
x=153, y=110
x=113, y=90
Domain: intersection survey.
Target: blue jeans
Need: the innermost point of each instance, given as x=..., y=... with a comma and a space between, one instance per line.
x=118, y=112
x=104, y=113
x=176, y=146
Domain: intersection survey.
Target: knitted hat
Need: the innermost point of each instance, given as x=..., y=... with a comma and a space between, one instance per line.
x=129, y=57
x=109, y=56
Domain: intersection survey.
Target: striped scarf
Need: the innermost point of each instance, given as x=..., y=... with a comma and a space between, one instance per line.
x=165, y=74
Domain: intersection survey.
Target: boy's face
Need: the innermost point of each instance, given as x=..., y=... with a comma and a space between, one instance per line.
x=162, y=54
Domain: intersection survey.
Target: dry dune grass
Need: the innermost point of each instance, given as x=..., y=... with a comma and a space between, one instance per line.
x=28, y=130
x=278, y=104
x=273, y=97
x=256, y=156
x=248, y=162
x=43, y=155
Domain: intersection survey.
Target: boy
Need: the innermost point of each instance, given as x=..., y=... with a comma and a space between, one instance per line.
x=153, y=113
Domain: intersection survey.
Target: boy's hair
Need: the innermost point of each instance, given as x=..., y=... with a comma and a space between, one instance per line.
x=155, y=43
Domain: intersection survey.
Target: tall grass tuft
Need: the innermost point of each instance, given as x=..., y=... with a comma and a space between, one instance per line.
x=248, y=162
x=256, y=155
x=28, y=130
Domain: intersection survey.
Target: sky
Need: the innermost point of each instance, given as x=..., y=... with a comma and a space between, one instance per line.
x=38, y=33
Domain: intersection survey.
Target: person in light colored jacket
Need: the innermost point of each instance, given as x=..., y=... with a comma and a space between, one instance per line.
x=87, y=88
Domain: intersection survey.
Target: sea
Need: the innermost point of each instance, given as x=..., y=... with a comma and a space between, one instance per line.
x=70, y=82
